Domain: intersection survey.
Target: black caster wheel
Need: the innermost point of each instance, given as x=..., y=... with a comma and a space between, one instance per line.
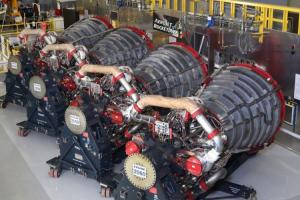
x=51, y=172
x=22, y=132
x=3, y=104
x=54, y=172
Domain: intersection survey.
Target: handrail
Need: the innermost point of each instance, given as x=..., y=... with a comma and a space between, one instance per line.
x=266, y=13
x=15, y=29
x=263, y=5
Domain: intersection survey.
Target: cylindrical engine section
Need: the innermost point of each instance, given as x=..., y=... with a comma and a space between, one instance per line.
x=174, y=70
x=124, y=46
x=249, y=105
x=90, y=29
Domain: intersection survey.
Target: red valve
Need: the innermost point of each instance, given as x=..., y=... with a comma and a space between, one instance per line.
x=127, y=135
x=74, y=103
x=131, y=148
x=194, y=166
x=116, y=117
x=68, y=83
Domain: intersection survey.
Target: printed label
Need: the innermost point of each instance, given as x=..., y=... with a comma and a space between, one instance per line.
x=14, y=65
x=162, y=128
x=37, y=87
x=139, y=171
x=75, y=120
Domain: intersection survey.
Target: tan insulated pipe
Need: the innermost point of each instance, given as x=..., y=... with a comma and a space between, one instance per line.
x=32, y=32
x=113, y=70
x=196, y=111
x=58, y=47
x=27, y=32
x=167, y=102
x=69, y=48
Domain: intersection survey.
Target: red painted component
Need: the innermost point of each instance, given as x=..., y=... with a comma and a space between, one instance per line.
x=187, y=116
x=213, y=134
x=131, y=148
x=68, y=83
x=189, y=195
x=137, y=108
x=200, y=111
x=131, y=92
x=71, y=53
x=116, y=117
x=117, y=78
x=74, y=103
x=153, y=190
x=207, y=80
x=58, y=12
x=275, y=84
x=127, y=135
x=196, y=55
x=85, y=134
x=194, y=166
x=203, y=186
x=104, y=21
x=143, y=35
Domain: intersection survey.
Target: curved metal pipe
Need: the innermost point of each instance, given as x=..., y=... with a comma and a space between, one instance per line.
x=168, y=102
x=26, y=32
x=113, y=70
x=221, y=174
x=197, y=112
x=213, y=179
x=177, y=103
x=69, y=48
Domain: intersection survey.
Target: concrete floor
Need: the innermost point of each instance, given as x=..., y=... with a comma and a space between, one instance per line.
x=274, y=173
